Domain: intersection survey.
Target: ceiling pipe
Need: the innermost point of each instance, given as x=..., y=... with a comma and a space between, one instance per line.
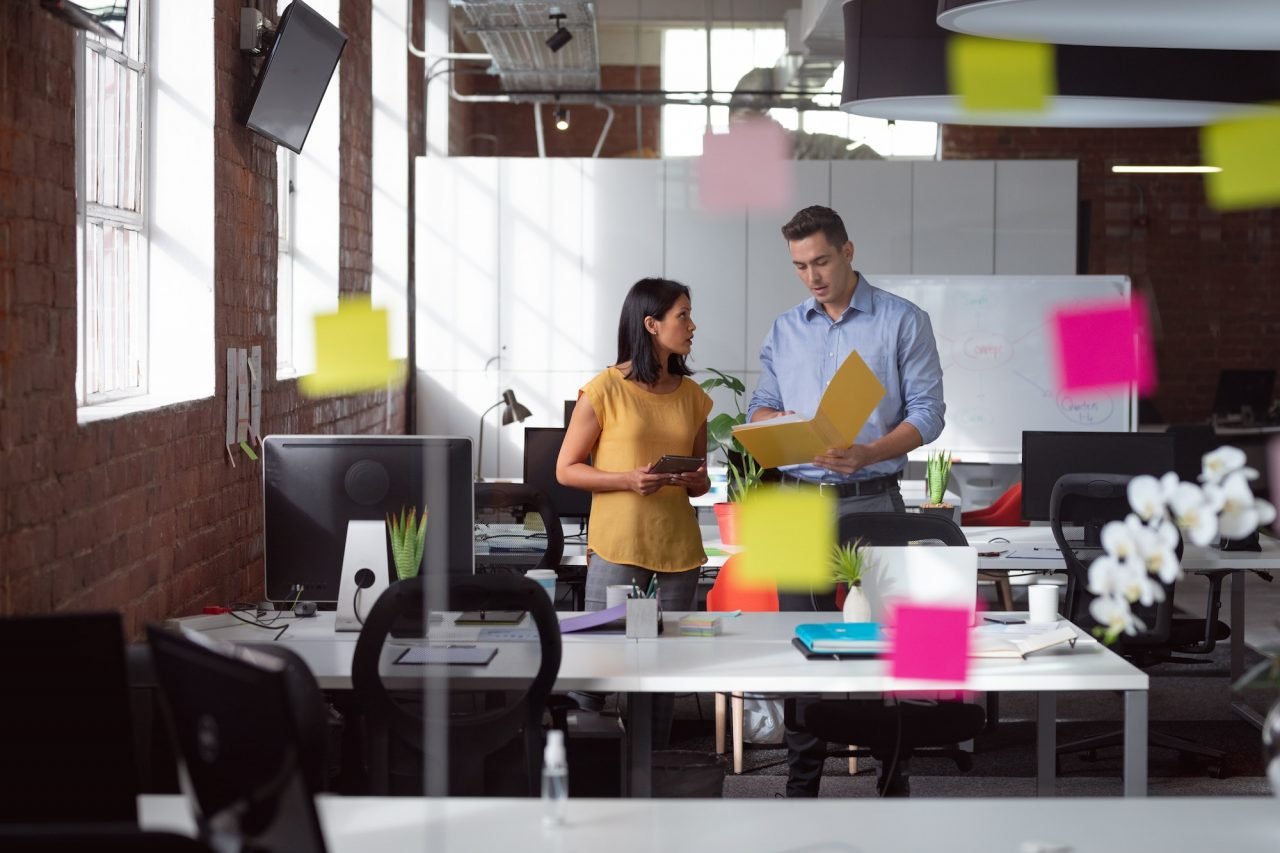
x=537, y=126
x=608, y=123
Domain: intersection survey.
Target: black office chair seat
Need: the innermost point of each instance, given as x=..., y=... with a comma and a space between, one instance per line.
x=904, y=727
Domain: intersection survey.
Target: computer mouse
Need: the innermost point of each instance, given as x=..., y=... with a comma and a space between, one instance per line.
x=304, y=608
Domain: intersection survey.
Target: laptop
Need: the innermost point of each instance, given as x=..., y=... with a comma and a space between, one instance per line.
x=931, y=577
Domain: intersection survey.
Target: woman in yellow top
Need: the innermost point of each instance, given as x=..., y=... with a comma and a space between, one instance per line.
x=626, y=418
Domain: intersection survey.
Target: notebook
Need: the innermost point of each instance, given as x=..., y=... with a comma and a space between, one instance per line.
x=843, y=637
x=921, y=575
x=988, y=646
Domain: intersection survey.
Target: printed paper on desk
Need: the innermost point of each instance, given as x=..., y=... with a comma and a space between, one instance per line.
x=748, y=167
x=850, y=398
x=1001, y=75
x=786, y=536
x=1246, y=151
x=929, y=643
x=352, y=351
x=1103, y=346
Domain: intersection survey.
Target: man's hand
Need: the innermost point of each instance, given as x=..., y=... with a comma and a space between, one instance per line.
x=766, y=414
x=846, y=460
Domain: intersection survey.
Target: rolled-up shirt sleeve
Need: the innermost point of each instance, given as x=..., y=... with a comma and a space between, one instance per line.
x=921, y=372
x=767, y=394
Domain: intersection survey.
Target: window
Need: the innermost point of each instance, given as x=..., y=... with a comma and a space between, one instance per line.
x=734, y=52
x=111, y=216
x=286, y=166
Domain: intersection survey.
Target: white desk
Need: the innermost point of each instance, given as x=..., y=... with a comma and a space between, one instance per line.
x=754, y=654
x=1195, y=558
x=462, y=825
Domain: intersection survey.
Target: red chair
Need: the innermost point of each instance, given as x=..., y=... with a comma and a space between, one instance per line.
x=1005, y=512
x=728, y=594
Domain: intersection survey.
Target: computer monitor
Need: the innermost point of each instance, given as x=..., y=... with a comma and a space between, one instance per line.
x=1046, y=456
x=1238, y=389
x=568, y=410
x=232, y=718
x=313, y=485
x=541, y=448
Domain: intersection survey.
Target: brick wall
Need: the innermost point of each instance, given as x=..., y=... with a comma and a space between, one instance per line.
x=1210, y=277
x=507, y=130
x=143, y=513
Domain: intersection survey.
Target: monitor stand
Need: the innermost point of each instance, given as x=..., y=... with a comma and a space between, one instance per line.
x=364, y=570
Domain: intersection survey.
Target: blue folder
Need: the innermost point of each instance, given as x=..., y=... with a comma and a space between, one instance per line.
x=843, y=637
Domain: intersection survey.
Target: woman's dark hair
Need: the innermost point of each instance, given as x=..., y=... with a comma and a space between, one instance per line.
x=648, y=297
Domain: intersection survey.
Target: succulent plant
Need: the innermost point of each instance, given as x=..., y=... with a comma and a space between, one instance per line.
x=849, y=562
x=936, y=473
x=408, y=539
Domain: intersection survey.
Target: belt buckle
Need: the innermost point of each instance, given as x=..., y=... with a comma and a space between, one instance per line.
x=823, y=486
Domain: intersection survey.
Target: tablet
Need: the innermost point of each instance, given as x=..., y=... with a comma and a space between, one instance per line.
x=677, y=464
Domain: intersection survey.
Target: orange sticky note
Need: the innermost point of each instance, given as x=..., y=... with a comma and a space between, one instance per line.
x=352, y=351
x=1247, y=150
x=787, y=536
x=1001, y=75
x=930, y=643
x=748, y=167
x=1102, y=346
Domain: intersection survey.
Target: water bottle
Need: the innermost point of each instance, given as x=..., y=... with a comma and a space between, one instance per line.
x=555, y=778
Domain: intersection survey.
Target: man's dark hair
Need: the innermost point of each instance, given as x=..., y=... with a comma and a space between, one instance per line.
x=813, y=219
x=648, y=297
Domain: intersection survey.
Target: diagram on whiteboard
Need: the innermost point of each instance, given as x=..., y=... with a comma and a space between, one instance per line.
x=996, y=347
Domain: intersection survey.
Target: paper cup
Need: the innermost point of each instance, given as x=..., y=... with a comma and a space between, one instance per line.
x=616, y=594
x=1043, y=603
x=546, y=578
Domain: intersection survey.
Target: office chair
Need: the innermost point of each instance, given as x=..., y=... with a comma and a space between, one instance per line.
x=1097, y=499
x=487, y=727
x=1006, y=511
x=526, y=499
x=728, y=594
x=903, y=729
x=66, y=738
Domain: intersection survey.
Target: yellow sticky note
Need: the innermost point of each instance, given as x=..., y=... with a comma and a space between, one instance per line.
x=1001, y=75
x=1247, y=149
x=786, y=537
x=352, y=349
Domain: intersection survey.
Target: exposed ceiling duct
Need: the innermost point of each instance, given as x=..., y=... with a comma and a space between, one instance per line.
x=515, y=34
x=815, y=46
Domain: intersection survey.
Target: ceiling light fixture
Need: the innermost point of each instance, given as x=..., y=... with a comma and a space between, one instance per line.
x=896, y=67
x=1164, y=170
x=562, y=118
x=561, y=36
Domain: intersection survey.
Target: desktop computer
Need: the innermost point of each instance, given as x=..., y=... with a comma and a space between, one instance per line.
x=541, y=449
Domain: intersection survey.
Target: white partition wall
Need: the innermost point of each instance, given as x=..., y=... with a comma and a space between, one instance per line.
x=523, y=264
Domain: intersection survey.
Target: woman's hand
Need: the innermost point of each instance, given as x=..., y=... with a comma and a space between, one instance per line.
x=697, y=482
x=644, y=483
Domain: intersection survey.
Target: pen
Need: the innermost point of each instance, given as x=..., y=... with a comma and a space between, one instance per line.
x=653, y=587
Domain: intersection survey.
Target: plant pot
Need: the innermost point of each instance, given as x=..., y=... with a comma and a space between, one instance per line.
x=727, y=518
x=945, y=510
x=856, y=607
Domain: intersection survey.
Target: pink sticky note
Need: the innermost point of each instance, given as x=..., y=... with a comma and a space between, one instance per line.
x=1103, y=346
x=750, y=166
x=930, y=642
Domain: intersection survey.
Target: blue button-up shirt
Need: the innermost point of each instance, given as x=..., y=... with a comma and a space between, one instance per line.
x=894, y=337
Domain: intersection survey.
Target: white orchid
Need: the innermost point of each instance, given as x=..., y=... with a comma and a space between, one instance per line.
x=1118, y=539
x=1115, y=615
x=1157, y=549
x=1146, y=497
x=1241, y=513
x=1218, y=464
x=1105, y=576
x=1194, y=512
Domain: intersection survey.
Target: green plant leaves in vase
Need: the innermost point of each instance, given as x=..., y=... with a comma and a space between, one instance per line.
x=744, y=470
x=408, y=540
x=936, y=474
x=849, y=563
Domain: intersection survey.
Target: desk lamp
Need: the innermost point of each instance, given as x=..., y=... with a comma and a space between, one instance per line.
x=513, y=412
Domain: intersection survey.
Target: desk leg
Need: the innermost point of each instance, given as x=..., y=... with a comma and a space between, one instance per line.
x=639, y=770
x=1135, y=743
x=1046, y=742
x=1240, y=708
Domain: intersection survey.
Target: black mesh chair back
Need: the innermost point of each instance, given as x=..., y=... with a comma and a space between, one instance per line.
x=1100, y=498
x=899, y=528
x=526, y=499
x=481, y=721
x=66, y=738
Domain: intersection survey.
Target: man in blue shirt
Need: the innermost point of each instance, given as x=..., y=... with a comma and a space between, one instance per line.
x=845, y=313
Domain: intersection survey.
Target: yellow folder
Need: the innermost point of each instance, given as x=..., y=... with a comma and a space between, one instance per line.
x=850, y=398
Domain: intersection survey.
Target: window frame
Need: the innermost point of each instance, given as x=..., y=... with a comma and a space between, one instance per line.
x=286, y=220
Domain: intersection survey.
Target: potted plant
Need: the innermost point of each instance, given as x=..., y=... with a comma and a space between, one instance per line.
x=848, y=565
x=408, y=540
x=744, y=470
x=937, y=472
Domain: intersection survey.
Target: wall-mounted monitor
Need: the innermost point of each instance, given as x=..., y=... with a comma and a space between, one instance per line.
x=295, y=75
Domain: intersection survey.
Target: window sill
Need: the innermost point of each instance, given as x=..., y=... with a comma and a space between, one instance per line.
x=132, y=405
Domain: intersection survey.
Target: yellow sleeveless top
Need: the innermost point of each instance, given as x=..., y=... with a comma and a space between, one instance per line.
x=658, y=531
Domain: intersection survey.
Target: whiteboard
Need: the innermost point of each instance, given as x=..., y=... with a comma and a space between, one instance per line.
x=998, y=360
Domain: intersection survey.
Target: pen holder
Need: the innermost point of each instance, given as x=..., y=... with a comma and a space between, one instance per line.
x=642, y=617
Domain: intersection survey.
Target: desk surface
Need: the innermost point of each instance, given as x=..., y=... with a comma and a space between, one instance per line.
x=1195, y=558
x=754, y=653
x=462, y=825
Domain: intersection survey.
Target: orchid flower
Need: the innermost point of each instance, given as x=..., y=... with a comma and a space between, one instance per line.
x=1146, y=497
x=1194, y=513
x=1223, y=461
x=1115, y=614
x=1118, y=539
x=1242, y=513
